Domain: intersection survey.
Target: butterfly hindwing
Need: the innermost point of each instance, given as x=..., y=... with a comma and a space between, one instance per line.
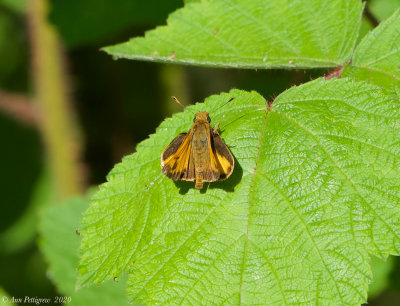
x=222, y=159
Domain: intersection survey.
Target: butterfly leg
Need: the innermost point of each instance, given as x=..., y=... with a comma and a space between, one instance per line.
x=216, y=126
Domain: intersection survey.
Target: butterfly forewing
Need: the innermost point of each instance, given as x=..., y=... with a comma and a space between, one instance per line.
x=176, y=161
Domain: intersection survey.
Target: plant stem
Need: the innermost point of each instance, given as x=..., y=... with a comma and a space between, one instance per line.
x=56, y=123
x=19, y=107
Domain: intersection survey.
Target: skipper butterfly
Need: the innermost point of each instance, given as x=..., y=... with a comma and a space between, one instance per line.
x=199, y=155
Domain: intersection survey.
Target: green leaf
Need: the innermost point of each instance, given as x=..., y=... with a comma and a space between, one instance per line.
x=377, y=57
x=252, y=34
x=23, y=231
x=59, y=242
x=315, y=188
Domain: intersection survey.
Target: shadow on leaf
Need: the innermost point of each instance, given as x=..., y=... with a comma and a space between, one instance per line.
x=228, y=185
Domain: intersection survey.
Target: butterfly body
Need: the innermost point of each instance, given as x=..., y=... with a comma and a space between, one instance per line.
x=199, y=155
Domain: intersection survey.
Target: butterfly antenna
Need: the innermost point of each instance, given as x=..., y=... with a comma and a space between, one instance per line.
x=224, y=104
x=177, y=101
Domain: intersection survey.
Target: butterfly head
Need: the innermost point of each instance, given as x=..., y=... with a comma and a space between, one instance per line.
x=202, y=117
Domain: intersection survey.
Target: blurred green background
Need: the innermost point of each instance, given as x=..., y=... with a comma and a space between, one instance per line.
x=106, y=108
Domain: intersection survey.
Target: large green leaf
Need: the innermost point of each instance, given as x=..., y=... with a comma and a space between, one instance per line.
x=377, y=57
x=252, y=34
x=59, y=242
x=315, y=188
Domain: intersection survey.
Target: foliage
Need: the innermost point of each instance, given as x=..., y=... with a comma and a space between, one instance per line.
x=23, y=231
x=301, y=213
x=311, y=212
x=252, y=34
x=59, y=243
x=315, y=188
x=377, y=57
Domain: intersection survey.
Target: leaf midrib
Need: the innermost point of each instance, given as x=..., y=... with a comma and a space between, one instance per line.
x=323, y=63
x=251, y=194
x=303, y=222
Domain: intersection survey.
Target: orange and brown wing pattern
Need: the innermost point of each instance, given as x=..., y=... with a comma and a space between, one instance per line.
x=222, y=162
x=176, y=161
